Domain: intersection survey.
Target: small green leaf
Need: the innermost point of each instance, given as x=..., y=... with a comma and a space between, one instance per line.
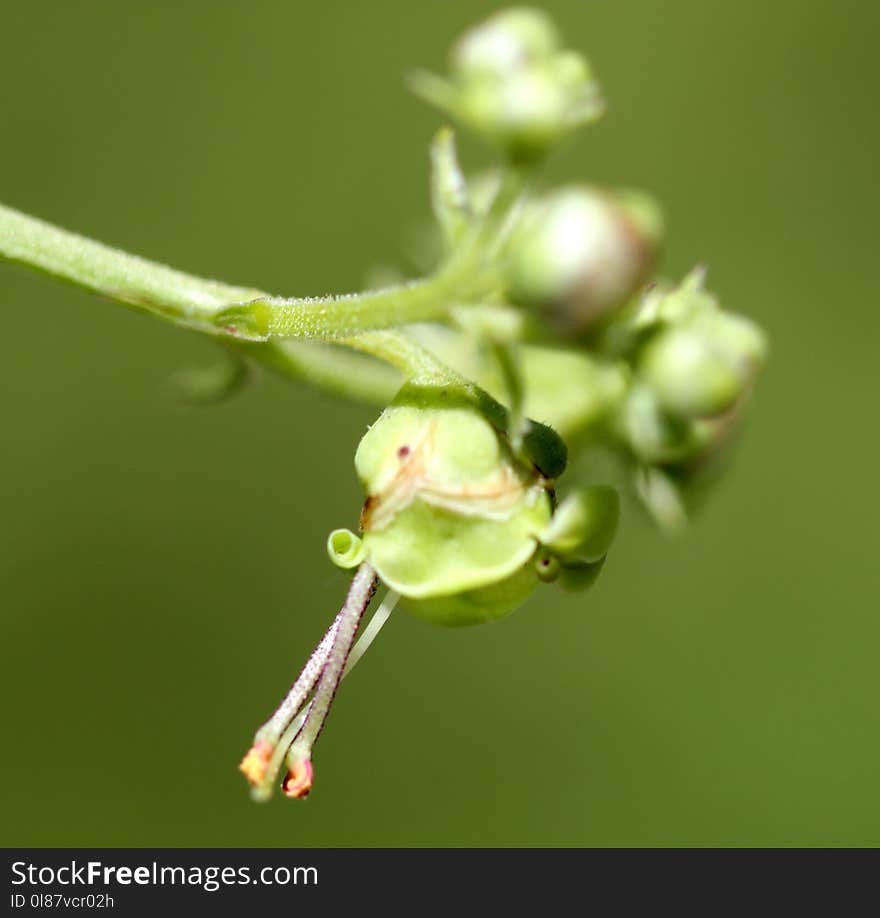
x=449, y=191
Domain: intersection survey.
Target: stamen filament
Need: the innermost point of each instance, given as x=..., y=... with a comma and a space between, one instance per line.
x=372, y=629
x=283, y=745
x=272, y=741
x=299, y=757
x=293, y=701
x=263, y=760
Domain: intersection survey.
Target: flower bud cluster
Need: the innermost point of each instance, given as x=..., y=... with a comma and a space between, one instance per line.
x=545, y=305
x=694, y=366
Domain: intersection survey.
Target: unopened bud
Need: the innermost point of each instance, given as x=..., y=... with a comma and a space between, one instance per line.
x=702, y=368
x=503, y=44
x=526, y=112
x=510, y=81
x=582, y=252
x=690, y=377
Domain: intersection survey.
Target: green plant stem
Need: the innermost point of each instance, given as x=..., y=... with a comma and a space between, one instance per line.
x=416, y=363
x=261, y=326
x=329, y=367
x=128, y=279
x=335, y=317
x=189, y=301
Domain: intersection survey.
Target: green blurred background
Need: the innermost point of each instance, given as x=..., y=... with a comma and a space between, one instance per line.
x=162, y=572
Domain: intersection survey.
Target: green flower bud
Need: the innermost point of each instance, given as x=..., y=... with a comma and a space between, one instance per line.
x=452, y=517
x=702, y=368
x=503, y=44
x=580, y=253
x=525, y=113
x=690, y=376
x=511, y=82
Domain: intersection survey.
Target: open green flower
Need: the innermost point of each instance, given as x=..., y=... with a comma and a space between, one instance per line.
x=459, y=523
x=453, y=516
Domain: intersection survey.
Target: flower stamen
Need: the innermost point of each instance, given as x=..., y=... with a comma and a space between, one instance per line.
x=293, y=728
x=254, y=764
x=299, y=757
x=298, y=782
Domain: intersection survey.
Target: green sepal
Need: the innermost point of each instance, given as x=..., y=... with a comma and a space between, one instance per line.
x=652, y=433
x=662, y=498
x=584, y=525
x=579, y=576
x=473, y=607
x=545, y=449
x=432, y=551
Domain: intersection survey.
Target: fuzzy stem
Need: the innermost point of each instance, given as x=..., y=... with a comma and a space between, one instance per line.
x=128, y=279
x=335, y=317
x=328, y=367
x=215, y=308
x=400, y=350
x=186, y=300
